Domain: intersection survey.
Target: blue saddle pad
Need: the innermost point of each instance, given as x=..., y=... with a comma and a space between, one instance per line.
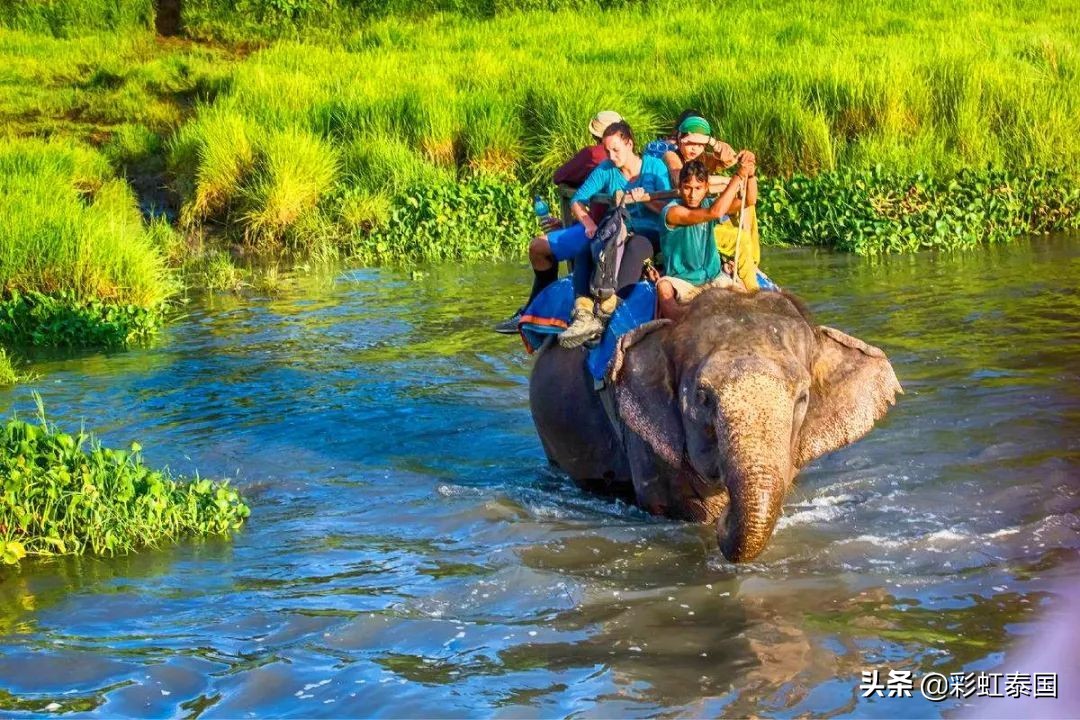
x=550, y=312
x=638, y=308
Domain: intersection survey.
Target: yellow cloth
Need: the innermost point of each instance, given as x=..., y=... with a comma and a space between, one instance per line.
x=727, y=233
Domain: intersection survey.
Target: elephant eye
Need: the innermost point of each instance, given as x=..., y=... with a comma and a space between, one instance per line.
x=705, y=398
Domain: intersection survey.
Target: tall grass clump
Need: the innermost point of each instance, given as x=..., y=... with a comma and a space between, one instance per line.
x=71, y=232
x=65, y=18
x=209, y=160
x=295, y=170
x=7, y=370
x=261, y=180
x=67, y=494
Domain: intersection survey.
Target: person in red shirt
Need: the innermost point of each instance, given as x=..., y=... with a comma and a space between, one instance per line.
x=573, y=173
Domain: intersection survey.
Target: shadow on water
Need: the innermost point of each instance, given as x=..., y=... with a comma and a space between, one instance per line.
x=409, y=553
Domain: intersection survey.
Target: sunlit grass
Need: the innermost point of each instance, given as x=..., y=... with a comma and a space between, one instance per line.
x=330, y=133
x=68, y=226
x=810, y=89
x=7, y=370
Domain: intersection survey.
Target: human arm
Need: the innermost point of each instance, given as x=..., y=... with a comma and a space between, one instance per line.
x=594, y=184
x=723, y=154
x=751, y=192
x=581, y=214
x=674, y=164
x=679, y=215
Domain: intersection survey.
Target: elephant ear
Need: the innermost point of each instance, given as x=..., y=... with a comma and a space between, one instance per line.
x=852, y=387
x=645, y=394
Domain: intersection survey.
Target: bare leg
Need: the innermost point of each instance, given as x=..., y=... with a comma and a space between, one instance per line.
x=669, y=304
x=545, y=272
x=540, y=256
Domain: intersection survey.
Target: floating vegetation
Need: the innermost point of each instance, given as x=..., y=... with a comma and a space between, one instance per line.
x=66, y=494
x=66, y=321
x=881, y=212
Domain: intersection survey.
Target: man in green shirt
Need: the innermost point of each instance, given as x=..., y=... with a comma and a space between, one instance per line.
x=691, y=259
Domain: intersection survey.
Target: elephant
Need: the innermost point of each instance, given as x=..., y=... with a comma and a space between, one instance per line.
x=710, y=418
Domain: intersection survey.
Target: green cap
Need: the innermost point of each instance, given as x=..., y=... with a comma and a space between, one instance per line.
x=695, y=124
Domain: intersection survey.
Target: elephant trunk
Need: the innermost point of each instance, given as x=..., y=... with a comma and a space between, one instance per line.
x=755, y=504
x=758, y=467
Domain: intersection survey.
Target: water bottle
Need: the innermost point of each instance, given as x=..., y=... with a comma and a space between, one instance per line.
x=543, y=212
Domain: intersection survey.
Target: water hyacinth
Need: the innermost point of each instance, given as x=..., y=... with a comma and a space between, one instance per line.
x=66, y=494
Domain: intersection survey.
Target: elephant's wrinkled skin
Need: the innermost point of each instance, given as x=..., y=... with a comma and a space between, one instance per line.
x=723, y=408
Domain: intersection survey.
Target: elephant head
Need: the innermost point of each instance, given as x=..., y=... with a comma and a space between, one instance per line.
x=736, y=397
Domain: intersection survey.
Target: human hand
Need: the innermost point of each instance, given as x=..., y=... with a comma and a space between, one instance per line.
x=726, y=153
x=639, y=194
x=590, y=227
x=747, y=163
x=651, y=273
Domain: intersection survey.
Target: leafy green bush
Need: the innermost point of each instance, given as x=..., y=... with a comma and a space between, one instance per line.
x=479, y=218
x=66, y=321
x=66, y=494
x=872, y=212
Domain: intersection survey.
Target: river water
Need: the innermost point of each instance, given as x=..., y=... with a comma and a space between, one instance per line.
x=409, y=554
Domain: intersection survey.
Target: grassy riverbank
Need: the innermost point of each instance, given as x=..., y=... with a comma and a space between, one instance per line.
x=419, y=136
x=398, y=105
x=77, y=263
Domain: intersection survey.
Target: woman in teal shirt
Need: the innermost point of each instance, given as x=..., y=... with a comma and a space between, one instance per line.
x=627, y=172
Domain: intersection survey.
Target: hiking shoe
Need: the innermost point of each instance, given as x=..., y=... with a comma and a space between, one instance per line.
x=509, y=326
x=585, y=327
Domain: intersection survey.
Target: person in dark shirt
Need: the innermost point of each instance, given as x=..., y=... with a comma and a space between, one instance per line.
x=545, y=263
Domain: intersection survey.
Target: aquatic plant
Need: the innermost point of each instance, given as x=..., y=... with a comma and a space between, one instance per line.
x=481, y=217
x=876, y=211
x=214, y=271
x=65, y=320
x=66, y=494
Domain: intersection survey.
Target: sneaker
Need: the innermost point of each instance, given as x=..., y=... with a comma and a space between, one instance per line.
x=509, y=326
x=585, y=327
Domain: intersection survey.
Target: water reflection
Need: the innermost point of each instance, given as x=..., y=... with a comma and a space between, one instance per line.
x=409, y=554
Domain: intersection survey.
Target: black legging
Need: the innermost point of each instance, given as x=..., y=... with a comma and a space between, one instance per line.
x=636, y=251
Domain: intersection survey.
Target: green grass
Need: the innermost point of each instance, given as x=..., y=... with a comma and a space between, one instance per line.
x=335, y=139
x=64, y=18
x=406, y=103
x=8, y=375
x=66, y=494
x=78, y=267
x=68, y=226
